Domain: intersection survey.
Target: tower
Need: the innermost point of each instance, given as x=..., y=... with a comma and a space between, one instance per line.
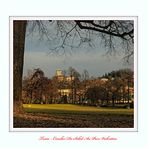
x=59, y=73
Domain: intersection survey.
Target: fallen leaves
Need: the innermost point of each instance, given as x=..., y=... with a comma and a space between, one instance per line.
x=40, y=120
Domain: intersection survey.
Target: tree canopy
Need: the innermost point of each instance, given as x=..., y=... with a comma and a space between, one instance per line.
x=75, y=33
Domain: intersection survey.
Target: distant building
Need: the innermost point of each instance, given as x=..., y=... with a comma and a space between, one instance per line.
x=59, y=72
x=104, y=79
x=64, y=92
x=69, y=78
x=64, y=78
x=61, y=77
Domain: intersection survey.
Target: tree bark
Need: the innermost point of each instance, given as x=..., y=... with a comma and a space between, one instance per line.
x=19, y=31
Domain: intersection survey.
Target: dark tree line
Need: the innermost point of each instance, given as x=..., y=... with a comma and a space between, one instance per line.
x=36, y=86
x=118, y=88
x=111, y=89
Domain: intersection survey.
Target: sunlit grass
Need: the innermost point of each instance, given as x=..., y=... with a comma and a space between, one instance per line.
x=70, y=108
x=69, y=116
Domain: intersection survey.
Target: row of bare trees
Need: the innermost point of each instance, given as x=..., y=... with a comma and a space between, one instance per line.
x=37, y=88
x=111, y=89
x=113, y=92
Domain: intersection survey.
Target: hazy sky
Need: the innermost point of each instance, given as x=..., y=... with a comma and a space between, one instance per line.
x=93, y=59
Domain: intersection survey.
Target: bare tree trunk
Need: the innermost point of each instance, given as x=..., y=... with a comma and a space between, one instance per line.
x=19, y=30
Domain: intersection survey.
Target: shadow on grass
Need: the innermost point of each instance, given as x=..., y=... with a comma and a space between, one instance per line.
x=73, y=120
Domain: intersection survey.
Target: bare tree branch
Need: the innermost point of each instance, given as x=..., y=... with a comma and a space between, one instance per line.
x=103, y=29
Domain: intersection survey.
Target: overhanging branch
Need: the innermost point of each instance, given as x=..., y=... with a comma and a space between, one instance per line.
x=103, y=29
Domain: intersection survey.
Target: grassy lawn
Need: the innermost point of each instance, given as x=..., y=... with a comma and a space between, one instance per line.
x=70, y=108
x=68, y=115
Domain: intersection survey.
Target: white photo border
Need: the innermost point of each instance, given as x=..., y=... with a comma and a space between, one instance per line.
x=134, y=129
